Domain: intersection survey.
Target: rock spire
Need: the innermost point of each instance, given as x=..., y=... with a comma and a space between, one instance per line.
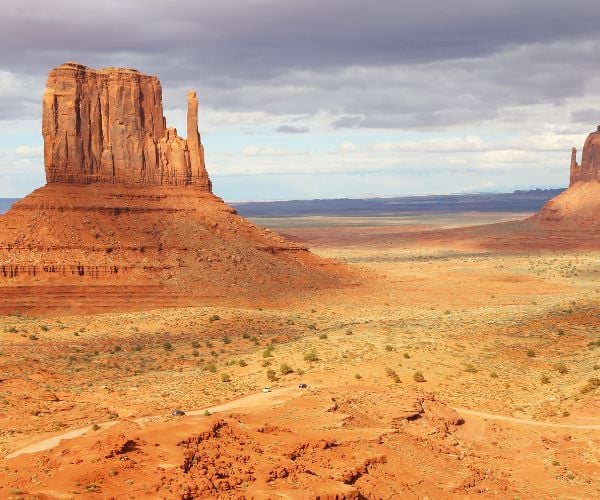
x=589, y=169
x=108, y=126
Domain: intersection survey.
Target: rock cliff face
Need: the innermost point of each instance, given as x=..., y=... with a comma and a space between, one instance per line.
x=108, y=126
x=589, y=170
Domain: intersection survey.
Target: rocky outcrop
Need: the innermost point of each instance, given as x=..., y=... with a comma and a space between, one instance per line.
x=108, y=126
x=589, y=169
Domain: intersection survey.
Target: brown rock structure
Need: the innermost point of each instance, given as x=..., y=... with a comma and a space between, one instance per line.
x=107, y=125
x=127, y=219
x=589, y=170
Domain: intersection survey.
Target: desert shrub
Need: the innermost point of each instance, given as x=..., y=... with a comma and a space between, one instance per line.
x=137, y=348
x=312, y=326
x=195, y=344
x=418, y=376
x=594, y=343
x=396, y=378
x=44, y=328
x=285, y=369
x=357, y=376
x=168, y=346
x=596, y=367
x=208, y=344
x=592, y=385
x=471, y=369
x=406, y=355
x=33, y=337
x=271, y=375
x=267, y=354
x=245, y=335
x=225, y=377
x=300, y=371
x=323, y=336
x=265, y=362
x=214, y=317
x=560, y=332
x=207, y=413
x=349, y=332
x=118, y=348
x=226, y=340
x=242, y=363
x=545, y=379
x=211, y=368
x=561, y=368
x=195, y=353
x=389, y=348
x=311, y=356
x=493, y=375
x=530, y=353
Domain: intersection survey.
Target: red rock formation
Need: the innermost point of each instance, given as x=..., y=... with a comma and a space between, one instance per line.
x=589, y=170
x=108, y=126
x=128, y=209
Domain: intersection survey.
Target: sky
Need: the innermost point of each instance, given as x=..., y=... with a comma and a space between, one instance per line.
x=303, y=99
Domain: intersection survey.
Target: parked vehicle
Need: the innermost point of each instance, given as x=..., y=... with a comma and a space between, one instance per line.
x=267, y=389
x=303, y=386
x=177, y=413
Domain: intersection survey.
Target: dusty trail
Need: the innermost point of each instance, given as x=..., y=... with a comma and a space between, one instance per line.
x=258, y=400
x=524, y=421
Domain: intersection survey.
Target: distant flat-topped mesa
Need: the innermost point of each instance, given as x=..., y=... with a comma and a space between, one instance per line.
x=589, y=170
x=108, y=126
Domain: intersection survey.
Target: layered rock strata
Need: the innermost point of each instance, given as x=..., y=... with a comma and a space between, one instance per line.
x=107, y=125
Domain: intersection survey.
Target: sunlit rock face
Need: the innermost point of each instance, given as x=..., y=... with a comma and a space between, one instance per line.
x=589, y=169
x=107, y=125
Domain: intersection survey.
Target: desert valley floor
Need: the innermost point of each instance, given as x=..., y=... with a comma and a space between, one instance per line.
x=443, y=371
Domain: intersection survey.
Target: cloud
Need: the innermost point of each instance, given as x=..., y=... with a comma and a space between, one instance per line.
x=254, y=150
x=29, y=152
x=291, y=129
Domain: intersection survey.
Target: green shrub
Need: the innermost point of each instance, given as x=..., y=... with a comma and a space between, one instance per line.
x=168, y=346
x=195, y=344
x=225, y=377
x=311, y=356
x=242, y=363
x=406, y=355
x=271, y=375
x=418, y=376
x=214, y=317
x=323, y=336
x=545, y=379
x=471, y=369
x=561, y=368
x=285, y=369
x=531, y=353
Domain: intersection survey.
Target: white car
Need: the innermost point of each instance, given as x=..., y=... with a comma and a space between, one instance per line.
x=267, y=389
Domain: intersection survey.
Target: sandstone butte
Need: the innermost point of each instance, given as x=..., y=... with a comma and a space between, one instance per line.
x=127, y=218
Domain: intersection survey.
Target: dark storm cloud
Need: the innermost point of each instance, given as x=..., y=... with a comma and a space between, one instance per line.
x=372, y=64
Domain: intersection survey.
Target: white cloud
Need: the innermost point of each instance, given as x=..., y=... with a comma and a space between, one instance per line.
x=29, y=152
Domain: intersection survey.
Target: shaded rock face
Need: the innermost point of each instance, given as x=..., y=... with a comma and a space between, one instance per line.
x=589, y=170
x=108, y=126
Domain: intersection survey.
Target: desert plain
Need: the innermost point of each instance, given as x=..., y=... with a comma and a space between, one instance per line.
x=438, y=370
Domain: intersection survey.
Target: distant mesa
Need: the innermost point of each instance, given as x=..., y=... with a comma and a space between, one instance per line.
x=128, y=220
x=589, y=170
x=579, y=205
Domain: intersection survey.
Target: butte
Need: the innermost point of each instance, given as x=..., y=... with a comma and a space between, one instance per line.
x=127, y=219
